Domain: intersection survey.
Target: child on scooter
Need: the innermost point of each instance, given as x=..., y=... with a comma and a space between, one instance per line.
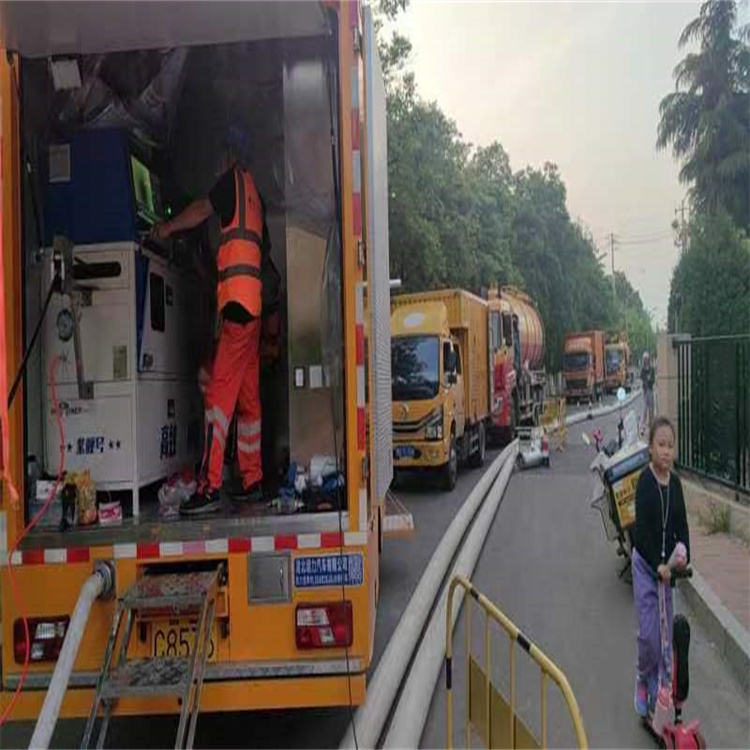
x=661, y=537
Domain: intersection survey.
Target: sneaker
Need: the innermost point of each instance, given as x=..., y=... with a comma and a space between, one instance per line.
x=251, y=494
x=201, y=503
x=641, y=698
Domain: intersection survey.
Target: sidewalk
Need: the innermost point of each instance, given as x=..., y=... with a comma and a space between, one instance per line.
x=719, y=592
x=724, y=563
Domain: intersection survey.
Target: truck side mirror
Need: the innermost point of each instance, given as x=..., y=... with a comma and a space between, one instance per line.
x=452, y=362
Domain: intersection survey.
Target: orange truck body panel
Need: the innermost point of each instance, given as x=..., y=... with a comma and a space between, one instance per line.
x=584, y=378
x=255, y=638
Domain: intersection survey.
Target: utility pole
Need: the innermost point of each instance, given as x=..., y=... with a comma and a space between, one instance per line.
x=612, y=253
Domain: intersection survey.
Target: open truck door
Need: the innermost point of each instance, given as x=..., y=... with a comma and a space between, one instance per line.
x=395, y=518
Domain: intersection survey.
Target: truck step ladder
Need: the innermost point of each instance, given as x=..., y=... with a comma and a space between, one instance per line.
x=186, y=595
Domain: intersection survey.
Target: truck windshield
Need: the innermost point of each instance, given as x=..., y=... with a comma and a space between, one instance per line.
x=614, y=357
x=415, y=367
x=576, y=361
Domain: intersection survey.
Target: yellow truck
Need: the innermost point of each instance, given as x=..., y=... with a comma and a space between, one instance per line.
x=440, y=369
x=108, y=115
x=617, y=364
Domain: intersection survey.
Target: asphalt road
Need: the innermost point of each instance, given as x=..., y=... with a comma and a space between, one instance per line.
x=401, y=567
x=549, y=567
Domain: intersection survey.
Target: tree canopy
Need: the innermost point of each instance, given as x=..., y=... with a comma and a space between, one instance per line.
x=710, y=292
x=706, y=119
x=461, y=217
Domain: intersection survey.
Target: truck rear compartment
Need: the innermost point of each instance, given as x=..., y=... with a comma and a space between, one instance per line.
x=172, y=108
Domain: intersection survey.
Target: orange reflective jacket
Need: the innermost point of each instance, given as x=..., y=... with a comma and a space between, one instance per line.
x=239, y=255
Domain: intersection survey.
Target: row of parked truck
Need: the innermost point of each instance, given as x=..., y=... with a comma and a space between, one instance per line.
x=467, y=371
x=594, y=364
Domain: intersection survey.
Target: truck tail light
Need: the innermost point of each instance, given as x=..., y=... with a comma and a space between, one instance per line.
x=327, y=625
x=47, y=635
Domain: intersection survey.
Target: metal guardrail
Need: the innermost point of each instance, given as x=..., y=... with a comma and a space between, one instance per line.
x=713, y=403
x=494, y=718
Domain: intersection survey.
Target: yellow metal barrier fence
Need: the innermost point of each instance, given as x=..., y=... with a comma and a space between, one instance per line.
x=484, y=701
x=553, y=420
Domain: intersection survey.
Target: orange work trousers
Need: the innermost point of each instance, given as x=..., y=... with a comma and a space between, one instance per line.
x=235, y=382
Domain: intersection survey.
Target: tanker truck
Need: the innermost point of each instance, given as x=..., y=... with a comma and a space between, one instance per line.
x=519, y=379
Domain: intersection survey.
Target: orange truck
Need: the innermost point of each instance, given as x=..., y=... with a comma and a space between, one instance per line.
x=283, y=596
x=519, y=377
x=617, y=364
x=583, y=366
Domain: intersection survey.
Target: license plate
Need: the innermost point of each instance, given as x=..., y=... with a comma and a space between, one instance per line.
x=176, y=638
x=404, y=451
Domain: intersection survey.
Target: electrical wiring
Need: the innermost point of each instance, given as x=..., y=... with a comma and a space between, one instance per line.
x=15, y=592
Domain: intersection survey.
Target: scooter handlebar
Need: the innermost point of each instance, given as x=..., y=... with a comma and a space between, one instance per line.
x=684, y=573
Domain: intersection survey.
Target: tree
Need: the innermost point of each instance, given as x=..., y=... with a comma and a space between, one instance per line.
x=460, y=217
x=557, y=260
x=711, y=284
x=633, y=319
x=706, y=119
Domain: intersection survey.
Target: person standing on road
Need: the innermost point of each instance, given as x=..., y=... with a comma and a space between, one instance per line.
x=234, y=381
x=648, y=379
x=661, y=529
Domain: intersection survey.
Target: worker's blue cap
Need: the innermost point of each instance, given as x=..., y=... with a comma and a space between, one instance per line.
x=239, y=141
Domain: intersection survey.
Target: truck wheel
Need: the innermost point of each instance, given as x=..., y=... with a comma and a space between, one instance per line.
x=449, y=472
x=477, y=458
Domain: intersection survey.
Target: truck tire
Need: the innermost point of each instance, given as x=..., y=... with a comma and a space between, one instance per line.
x=477, y=458
x=449, y=472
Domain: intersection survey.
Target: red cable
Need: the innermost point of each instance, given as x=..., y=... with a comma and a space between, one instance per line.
x=17, y=598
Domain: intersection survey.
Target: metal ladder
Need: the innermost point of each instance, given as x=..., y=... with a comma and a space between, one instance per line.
x=186, y=595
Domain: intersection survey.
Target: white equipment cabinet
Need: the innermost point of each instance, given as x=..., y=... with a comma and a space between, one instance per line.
x=145, y=419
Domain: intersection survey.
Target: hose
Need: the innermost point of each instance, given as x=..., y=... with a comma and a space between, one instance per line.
x=99, y=583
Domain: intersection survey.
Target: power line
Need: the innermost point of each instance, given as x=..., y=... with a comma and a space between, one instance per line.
x=646, y=240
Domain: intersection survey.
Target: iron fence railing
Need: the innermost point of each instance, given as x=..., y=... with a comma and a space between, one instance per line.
x=713, y=402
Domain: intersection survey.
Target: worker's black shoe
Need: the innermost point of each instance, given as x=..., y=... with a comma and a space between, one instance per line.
x=251, y=494
x=201, y=503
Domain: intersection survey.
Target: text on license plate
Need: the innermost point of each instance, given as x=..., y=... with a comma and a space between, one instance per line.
x=176, y=638
x=404, y=451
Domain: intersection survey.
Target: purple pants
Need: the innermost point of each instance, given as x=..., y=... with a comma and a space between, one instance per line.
x=646, y=594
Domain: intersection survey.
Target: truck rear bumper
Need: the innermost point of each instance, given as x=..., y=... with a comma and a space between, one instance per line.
x=227, y=694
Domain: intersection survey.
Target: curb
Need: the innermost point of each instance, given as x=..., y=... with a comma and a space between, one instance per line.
x=732, y=640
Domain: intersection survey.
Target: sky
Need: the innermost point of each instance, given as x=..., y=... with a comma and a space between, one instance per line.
x=577, y=84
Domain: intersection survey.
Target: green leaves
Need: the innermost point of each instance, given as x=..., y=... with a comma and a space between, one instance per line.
x=460, y=217
x=719, y=252
x=706, y=120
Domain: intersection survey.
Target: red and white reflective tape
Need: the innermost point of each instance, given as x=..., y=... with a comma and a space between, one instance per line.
x=51, y=556
x=161, y=550
x=359, y=322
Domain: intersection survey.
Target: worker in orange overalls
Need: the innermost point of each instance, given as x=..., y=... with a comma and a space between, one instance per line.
x=235, y=375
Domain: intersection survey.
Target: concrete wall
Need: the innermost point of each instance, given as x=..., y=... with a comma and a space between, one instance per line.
x=667, y=392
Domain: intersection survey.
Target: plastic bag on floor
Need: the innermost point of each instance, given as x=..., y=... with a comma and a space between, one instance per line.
x=173, y=492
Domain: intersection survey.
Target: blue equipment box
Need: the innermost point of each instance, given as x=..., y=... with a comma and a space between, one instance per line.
x=97, y=191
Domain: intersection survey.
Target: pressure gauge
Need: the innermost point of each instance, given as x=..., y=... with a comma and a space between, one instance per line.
x=65, y=324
